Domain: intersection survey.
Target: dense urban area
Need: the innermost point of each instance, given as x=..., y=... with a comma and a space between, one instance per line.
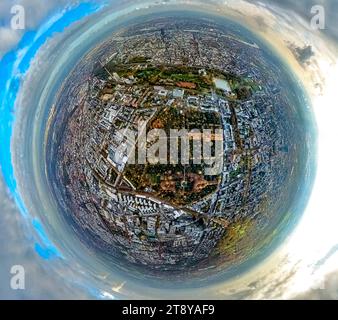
x=165, y=76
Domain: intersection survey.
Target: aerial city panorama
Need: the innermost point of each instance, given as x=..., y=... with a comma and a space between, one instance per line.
x=175, y=147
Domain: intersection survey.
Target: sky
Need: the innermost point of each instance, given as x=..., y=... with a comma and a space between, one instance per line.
x=294, y=271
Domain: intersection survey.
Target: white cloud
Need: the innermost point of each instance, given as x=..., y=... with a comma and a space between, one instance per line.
x=36, y=11
x=9, y=38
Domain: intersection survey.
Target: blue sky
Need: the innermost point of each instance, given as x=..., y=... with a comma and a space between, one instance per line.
x=44, y=19
x=13, y=66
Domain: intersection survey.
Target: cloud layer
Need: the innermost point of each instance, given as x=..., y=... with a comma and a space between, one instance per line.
x=36, y=11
